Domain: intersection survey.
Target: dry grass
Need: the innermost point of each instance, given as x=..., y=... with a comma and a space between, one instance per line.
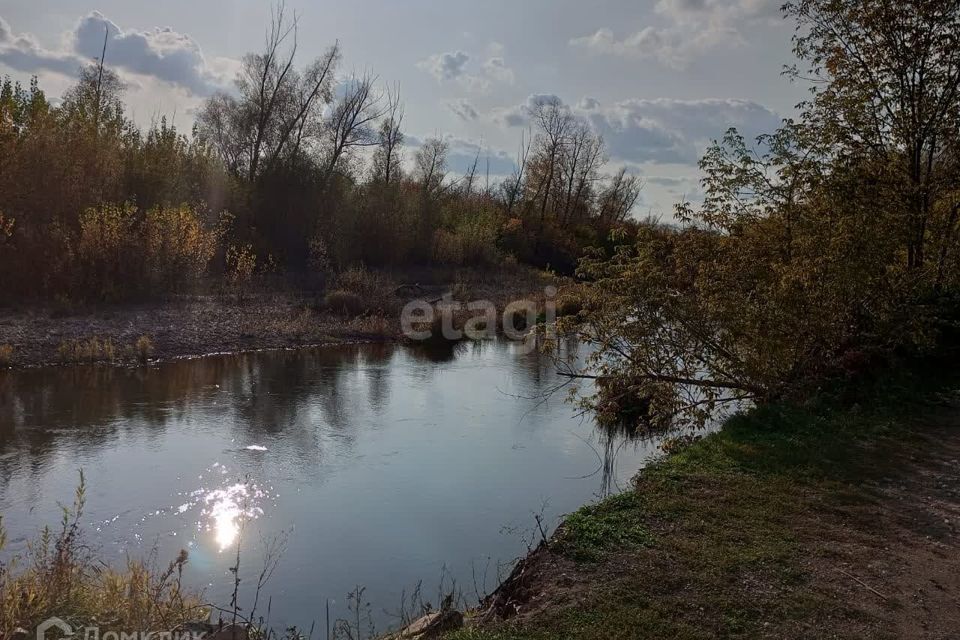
x=143, y=349
x=375, y=327
x=374, y=291
x=90, y=350
x=344, y=303
x=59, y=576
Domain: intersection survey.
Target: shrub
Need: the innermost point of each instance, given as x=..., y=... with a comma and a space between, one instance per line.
x=6, y=355
x=143, y=348
x=241, y=262
x=374, y=289
x=344, y=302
x=177, y=247
x=108, y=259
x=447, y=248
x=121, y=252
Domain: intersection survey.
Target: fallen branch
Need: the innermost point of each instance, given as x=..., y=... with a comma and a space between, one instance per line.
x=862, y=584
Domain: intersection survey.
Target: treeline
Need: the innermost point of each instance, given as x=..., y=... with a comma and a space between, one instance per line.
x=822, y=252
x=294, y=171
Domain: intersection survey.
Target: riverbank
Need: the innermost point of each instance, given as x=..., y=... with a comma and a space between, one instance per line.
x=267, y=317
x=830, y=521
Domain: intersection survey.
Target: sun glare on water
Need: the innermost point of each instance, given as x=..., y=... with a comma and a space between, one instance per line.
x=227, y=508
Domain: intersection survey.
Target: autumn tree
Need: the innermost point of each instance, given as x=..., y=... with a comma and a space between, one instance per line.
x=885, y=78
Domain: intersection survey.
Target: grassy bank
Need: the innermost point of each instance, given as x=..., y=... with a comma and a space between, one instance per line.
x=837, y=519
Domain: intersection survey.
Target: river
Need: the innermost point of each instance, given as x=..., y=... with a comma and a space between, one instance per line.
x=378, y=465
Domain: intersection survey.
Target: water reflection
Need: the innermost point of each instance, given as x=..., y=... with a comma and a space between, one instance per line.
x=387, y=462
x=226, y=507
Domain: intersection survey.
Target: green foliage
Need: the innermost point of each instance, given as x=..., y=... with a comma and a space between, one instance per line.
x=611, y=524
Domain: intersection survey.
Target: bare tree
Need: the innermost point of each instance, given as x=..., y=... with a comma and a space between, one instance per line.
x=386, y=159
x=471, y=174
x=619, y=197
x=275, y=106
x=264, y=82
x=579, y=161
x=352, y=119
x=554, y=121
x=431, y=165
x=513, y=186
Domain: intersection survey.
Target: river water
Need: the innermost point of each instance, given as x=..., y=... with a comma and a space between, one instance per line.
x=378, y=465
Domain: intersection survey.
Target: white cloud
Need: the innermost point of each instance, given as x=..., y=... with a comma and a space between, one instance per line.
x=160, y=53
x=23, y=52
x=675, y=131
x=497, y=69
x=463, y=109
x=451, y=66
x=519, y=115
x=692, y=28
x=662, y=130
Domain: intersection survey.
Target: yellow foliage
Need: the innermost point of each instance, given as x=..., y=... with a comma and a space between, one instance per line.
x=6, y=355
x=143, y=348
x=90, y=350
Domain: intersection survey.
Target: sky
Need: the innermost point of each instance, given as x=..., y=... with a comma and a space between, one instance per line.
x=658, y=79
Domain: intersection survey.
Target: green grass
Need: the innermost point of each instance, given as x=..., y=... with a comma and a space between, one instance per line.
x=710, y=543
x=615, y=523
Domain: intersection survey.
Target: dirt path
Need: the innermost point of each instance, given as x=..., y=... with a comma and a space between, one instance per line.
x=895, y=560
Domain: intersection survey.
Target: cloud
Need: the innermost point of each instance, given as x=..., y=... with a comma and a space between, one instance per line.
x=463, y=109
x=659, y=131
x=692, y=28
x=445, y=66
x=452, y=67
x=519, y=115
x=463, y=153
x=497, y=69
x=161, y=53
x=675, y=131
x=22, y=52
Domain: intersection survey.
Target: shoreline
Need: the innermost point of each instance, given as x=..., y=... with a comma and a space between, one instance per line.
x=780, y=525
x=208, y=325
